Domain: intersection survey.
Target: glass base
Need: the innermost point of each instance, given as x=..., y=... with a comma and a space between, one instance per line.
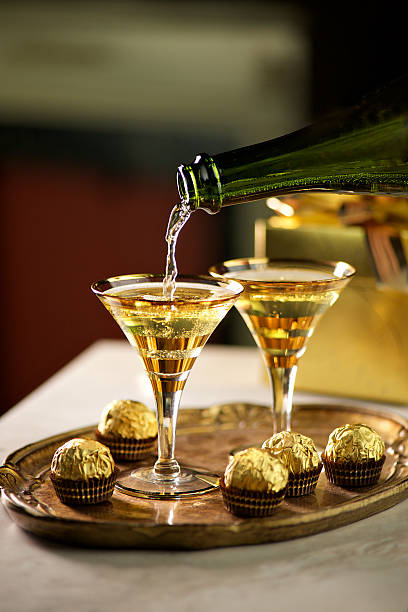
x=142, y=482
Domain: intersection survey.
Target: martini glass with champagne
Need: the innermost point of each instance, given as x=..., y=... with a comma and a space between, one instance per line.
x=168, y=328
x=282, y=302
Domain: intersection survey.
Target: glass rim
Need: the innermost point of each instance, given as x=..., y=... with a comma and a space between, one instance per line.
x=246, y=263
x=235, y=286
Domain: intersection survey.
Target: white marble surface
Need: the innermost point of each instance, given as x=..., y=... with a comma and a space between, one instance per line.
x=363, y=566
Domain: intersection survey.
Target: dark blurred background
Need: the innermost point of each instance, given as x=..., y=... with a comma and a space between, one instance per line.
x=99, y=104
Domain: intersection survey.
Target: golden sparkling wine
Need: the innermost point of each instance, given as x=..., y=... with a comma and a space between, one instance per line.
x=283, y=319
x=282, y=302
x=169, y=335
x=168, y=324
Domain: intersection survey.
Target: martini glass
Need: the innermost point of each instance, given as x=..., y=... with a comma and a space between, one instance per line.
x=168, y=334
x=282, y=302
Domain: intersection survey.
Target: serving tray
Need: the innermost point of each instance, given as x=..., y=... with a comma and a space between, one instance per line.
x=206, y=437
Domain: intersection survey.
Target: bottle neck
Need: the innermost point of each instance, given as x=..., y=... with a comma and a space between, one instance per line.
x=199, y=184
x=358, y=150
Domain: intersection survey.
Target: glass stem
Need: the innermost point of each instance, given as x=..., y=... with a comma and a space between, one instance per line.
x=283, y=384
x=166, y=466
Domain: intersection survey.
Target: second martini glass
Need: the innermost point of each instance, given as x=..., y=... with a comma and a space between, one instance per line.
x=282, y=302
x=169, y=334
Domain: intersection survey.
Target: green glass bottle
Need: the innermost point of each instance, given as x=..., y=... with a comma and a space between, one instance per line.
x=363, y=149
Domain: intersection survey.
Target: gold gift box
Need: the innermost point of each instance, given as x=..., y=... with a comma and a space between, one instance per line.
x=360, y=347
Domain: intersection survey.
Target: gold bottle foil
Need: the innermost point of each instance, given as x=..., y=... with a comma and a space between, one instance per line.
x=354, y=443
x=297, y=451
x=256, y=469
x=128, y=419
x=81, y=459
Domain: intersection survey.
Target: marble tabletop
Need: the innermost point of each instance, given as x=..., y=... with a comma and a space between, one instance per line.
x=363, y=566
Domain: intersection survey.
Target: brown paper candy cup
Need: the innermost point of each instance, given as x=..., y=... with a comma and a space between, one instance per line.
x=250, y=504
x=127, y=449
x=78, y=492
x=353, y=475
x=303, y=483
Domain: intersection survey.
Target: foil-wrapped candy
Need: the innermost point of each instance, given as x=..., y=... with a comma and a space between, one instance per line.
x=297, y=451
x=127, y=419
x=256, y=469
x=354, y=443
x=81, y=459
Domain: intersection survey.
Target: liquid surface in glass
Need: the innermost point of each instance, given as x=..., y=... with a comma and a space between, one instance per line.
x=168, y=334
x=281, y=274
x=282, y=319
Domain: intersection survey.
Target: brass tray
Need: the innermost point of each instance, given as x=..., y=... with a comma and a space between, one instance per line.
x=206, y=436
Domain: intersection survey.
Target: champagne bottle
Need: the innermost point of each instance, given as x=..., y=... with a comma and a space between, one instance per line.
x=362, y=149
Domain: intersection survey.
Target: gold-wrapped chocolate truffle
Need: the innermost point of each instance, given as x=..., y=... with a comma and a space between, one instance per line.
x=354, y=456
x=127, y=419
x=83, y=472
x=354, y=443
x=129, y=428
x=299, y=454
x=254, y=483
x=81, y=459
x=256, y=470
